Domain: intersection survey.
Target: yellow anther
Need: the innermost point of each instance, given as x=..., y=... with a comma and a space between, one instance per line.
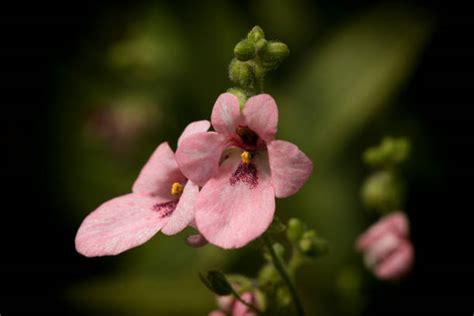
x=176, y=188
x=245, y=157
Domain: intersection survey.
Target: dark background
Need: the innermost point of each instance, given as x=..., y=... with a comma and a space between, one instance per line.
x=37, y=257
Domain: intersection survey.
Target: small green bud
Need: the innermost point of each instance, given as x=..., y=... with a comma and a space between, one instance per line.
x=295, y=229
x=216, y=282
x=256, y=34
x=279, y=250
x=268, y=275
x=241, y=73
x=274, y=53
x=391, y=151
x=244, y=50
x=261, y=44
x=382, y=191
x=311, y=245
x=240, y=94
x=283, y=296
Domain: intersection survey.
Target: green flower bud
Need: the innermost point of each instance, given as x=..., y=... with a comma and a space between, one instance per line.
x=216, y=282
x=295, y=229
x=276, y=226
x=391, y=151
x=268, y=275
x=283, y=296
x=274, y=53
x=240, y=94
x=312, y=246
x=244, y=50
x=382, y=191
x=279, y=250
x=256, y=34
x=241, y=73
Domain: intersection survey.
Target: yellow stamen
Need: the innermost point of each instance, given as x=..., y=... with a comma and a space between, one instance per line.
x=176, y=188
x=246, y=156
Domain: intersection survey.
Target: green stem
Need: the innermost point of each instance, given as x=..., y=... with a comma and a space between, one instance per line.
x=249, y=305
x=285, y=276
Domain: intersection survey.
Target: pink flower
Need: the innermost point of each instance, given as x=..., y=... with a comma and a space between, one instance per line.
x=242, y=168
x=228, y=305
x=162, y=198
x=387, y=248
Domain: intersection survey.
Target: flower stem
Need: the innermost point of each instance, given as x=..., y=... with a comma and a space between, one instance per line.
x=285, y=276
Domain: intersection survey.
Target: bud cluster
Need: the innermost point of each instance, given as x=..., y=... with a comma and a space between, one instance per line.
x=254, y=57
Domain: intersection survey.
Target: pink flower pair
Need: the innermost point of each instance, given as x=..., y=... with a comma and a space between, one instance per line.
x=228, y=305
x=240, y=167
x=387, y=248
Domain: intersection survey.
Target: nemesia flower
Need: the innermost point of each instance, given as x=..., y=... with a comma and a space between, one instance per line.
x=228, y=305
x=242, y=168
x=387, y=248
x=162, y=198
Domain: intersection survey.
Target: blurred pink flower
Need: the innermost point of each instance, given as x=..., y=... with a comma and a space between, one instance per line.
x=228, y=305
x=388, y=251
x=161, y=199
x=242, y=168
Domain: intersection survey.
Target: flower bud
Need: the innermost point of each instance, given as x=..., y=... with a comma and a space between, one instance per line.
x=276, y=226
x=312, y=246
x=216, y=282
x=244, y=50
x=256, y=34
x=295, y=229
x=389, y=152
x=274, y=53
x=382, y=191
x=241, y=73
x=240, y=94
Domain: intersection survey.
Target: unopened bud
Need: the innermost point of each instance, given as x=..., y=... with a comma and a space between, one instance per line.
x=240, y=94
x=382, y=191
x=295, y=229
x=274, y=53
x=311, y=245
x=241, y=73
x=256, y=34
x=216, y=282
x=244, y=50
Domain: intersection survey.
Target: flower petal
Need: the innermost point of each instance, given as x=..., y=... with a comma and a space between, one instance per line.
x=118, y=225
x=237, y=205
x=240, y=309
x=396, y=223
x=198, y=156
x=381, y=248
x=159, y=173
x=196, y=241
x=184, y=212
x=261, y=116
x=226, y=115
x=290, y=167
x=397, y=264
x=194, y=128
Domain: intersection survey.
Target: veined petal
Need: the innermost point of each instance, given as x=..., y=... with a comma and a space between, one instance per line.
x=290, y=167
x=118, y=225
x=194, y=128
x=198, y=156
x=159, y=173
x=184, y=212
x=261, y=116
x=237, y=205
x=226, y=115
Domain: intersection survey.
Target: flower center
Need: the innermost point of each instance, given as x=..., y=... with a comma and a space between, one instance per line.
x=246, y=156
x=165, y=209
x=248, y=136
x=176, y=188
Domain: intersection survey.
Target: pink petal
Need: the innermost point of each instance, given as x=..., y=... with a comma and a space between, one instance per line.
x=226, y=115
x=240, y=309
x=184, y=212
x=217, y=313
x=396, y=223
x=232, y=211
x=196, y=241
x=159, y=173
x=381, y=248
x=198, y=156
x=194, y=128
x=118, y=225
x=290, y=167
x=398, y=264
x=261, y=116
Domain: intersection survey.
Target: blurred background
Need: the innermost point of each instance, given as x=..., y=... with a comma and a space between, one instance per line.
x=89, y=89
